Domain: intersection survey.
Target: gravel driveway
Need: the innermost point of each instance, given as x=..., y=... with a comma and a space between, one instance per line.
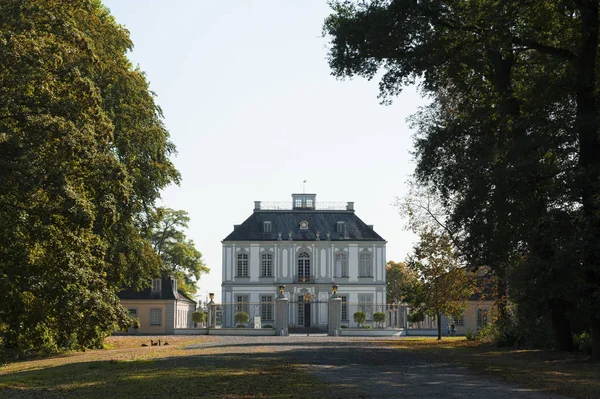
x=354, y=367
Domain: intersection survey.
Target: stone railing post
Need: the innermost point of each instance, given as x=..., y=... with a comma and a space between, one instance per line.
x=334, y=314
x=282, y=313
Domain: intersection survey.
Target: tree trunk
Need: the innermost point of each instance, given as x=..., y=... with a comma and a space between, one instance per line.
x=563, y=336
x=589, y=159
x=596, y=338
x=439, y=324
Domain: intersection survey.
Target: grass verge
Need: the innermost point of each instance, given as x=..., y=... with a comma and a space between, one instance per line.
x=569, y=374
x=128, y=370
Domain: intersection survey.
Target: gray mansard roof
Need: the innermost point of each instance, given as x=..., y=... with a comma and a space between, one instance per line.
x=289, y=221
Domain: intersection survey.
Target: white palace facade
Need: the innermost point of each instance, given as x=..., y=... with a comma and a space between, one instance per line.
x=307, y=247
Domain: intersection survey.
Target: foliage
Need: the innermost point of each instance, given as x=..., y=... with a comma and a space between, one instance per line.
x=179, y=256
x=400, y=282
x=445, y=285
x=199, y=317
x=83, y=154
x=583, y=342
x=241, y=318
x=379, y=318
x=509, y=144
x=470, y=335
x=267, y=326
x=416, y=317
x=135, y=323
x=359, y=317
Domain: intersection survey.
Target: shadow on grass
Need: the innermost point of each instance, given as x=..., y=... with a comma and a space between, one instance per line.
x=230, y=376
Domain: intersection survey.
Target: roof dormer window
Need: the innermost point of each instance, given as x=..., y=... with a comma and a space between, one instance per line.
x=304, y=225
x=304, y=201
x=267, y=225
x=341, y=227
x=156, y=285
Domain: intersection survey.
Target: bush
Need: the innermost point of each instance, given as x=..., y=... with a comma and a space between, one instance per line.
x=366, y=326
x=416, y=317
x=470, y=335
x=135, y=323
x=583, y=342
x=379, y=318
x=267, y=326
x=360, y=317
x=241, y=318
x=343, y=326
x=199, y=317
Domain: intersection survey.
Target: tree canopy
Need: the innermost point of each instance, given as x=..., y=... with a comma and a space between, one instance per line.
x=83, y=153
x=179, y=255
x=510, y=143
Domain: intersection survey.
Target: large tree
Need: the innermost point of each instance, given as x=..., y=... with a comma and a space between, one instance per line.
x=400, y=282
x=179, y=255
x=83, y=153
x=511, y=140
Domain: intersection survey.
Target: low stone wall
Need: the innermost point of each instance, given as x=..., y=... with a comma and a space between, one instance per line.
x=372, y=332
x=249, y=332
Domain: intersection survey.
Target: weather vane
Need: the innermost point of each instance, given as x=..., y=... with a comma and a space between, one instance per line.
x=304, y=187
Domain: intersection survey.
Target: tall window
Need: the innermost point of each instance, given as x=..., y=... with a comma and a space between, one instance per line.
x=365, y=304
x=459, y=320
x=300, y=310
x=266, y=307
x=304, y=267
x=241, y=303
x=344, y=307
x=266, y=266
x=366, y=265
x=155, y=317
x=341, y=265
x=242, y=265
x=482, y=317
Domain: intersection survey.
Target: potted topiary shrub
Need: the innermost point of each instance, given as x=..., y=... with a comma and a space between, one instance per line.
x=379, y=318
x=360, y=317
x=241, y=318
x=198, y=317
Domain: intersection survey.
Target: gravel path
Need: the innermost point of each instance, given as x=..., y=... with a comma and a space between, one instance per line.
x=364, y=368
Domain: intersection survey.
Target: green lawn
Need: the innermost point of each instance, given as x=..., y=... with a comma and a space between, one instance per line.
x=156, y=372
x=570, y=374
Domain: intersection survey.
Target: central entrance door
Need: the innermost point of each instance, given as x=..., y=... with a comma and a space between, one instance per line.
x=307, y=314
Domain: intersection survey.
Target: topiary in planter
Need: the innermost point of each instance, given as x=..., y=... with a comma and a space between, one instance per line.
x=360, y=317
x=379, y=318
x=241, y=318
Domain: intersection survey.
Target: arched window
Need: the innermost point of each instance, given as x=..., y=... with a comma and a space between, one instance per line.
x=303, y=267
x=366, y=264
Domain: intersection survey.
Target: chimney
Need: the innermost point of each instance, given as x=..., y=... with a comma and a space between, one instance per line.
x=257, y=205
x=370, y=226
x=350, y=206
x=235, y=226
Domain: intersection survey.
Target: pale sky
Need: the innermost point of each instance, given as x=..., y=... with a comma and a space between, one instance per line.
x=252, y=107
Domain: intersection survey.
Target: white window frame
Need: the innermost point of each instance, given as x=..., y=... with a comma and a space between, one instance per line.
x=365, y=268
x=482, y=317
x=365, y=304
x=242, y=264
x=241, y=303
x=341, y=227
x=266, y=307
x=341, y=271
x=303, y=263
x=267, y=226
x=157, y=285
x=266, y=264
x=155, y=317
x=344, y=307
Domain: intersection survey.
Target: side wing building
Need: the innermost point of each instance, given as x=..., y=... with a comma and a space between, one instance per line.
x=308, y=247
